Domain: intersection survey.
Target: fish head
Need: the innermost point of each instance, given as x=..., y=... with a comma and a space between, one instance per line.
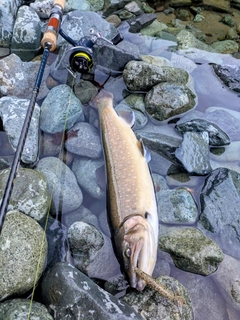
x=136, y=246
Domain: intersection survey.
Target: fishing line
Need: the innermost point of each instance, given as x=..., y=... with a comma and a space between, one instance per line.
x=50, y=202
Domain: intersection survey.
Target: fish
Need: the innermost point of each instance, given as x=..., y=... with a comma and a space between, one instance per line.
x=131, y=197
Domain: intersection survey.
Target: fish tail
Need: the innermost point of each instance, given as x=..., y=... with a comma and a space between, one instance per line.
x=102, y=100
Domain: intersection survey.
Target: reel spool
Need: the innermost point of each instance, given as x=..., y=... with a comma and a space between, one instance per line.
x=81, y=60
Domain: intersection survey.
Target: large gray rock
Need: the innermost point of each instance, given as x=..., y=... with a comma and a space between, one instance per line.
x=142, y=76
x=13, y=112
x=220, y=201
x=23, y=252
x=26, y=39
x=84, y=140
x=191, y=250
x=62, y=184
x=8, y=11
x=193, y=153
x=20, y=308
x=227, y=279
x=29, y=194
x=17, y=78
x=60, y=110
x=166, y=100
x=152, y=305
x=67, y=293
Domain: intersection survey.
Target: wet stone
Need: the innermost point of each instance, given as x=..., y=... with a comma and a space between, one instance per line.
x=60, y=110
x=13, y=112
x=23, y=253
x=81, y=296
x=225, y=46
x=84, y=140
x=217, y=137
x=142, y=21
x=227, y=278
x=193, y=153
x=62, y=184
x=26, y=40
x=163, y=144
x=142, y=76
x=191, y=250
x=20, y=308
x=29, y=194
x=230, y=75
x=81, y=214
x=176, y=206
x=17, y=78
x=84, y=91
x=220, y=201
x=140, y=119
x=90, y=175
x=166, y=100
x=152, y=305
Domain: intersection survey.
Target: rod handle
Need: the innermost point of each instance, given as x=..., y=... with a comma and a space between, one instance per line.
x=50, y=35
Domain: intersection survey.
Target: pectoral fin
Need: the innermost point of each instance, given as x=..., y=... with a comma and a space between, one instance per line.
x=145, y=152
x=128, y=116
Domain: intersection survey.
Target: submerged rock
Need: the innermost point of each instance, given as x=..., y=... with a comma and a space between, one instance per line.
x=152, y=305
x=29, y=194
x=13, y=112
x=81, y=296
x=60, y=110
x=23, y=252
x=62, y=183
x=220, y=202
x=230, y=75
x=191, y=250
x=23, y=308
x=193, y=153
x=166, y=100
x=217, y=137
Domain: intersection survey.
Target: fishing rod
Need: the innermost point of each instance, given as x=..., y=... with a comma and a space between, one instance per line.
x=49, y=44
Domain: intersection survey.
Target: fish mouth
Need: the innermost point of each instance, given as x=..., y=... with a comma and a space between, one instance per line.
x=135, y=280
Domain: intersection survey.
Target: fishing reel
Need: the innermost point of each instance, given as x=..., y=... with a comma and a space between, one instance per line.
x=80, y=57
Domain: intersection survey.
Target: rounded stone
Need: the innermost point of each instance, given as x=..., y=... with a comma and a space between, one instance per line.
x=23, y=252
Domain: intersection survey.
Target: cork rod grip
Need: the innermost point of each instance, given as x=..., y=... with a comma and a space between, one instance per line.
x=61, y=3
x=50, y=35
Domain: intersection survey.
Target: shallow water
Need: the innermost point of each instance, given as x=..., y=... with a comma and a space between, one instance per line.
x=211, y=92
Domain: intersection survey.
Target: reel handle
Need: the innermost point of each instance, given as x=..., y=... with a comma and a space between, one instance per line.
x=50, y=35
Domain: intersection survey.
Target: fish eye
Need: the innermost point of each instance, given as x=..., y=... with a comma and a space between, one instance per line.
x=127, y=252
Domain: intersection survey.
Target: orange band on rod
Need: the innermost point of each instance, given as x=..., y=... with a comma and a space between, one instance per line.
x=54, y=22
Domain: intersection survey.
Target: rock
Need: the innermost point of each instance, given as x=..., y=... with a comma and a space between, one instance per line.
x=20, y=84
x=219, y=216
x=228, y=20
x=126, y=15
x=90, y=176
x=84, y=91
x=151, y=305
x=193, y=153
x=163, y=144
x=230, y=75
x=42, y=8
x=20, y=308
x=187, y=40
x=96, y=5
x=114, y=19
x=23, y=252
x=217, y=137
x=225, y=46
x=166, y=100
x=26, y=39
x=133, y=7
x=142, y=76
x=110, y=6
x=142, y=21
x=158, y=61
x=176, y=206
x=13, y=112
x=211, y=305
x=81, y=296
x=84, y=140
x=62, y=183
x=129, y=47
x=29, y=194
x=140, y=120
x=60, y=110
x=81, y=214
x=8, y=13
x=135, y=101
x=154, y=29
x=191, y=250
x=228, y=280
x=85, y=241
